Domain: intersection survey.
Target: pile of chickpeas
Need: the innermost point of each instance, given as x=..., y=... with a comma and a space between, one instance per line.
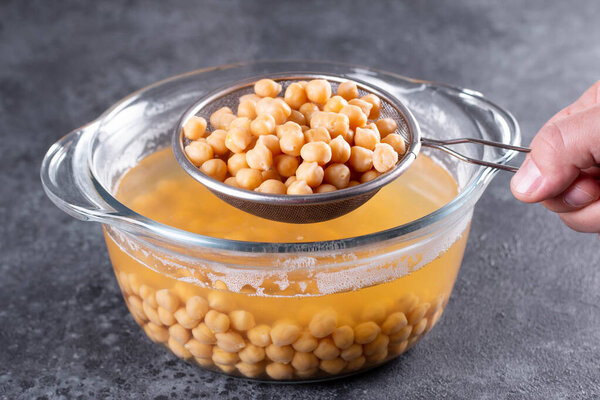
x=217, y=334
x=307, y=141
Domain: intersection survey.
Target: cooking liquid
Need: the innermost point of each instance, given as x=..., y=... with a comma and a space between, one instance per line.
x=159, y=189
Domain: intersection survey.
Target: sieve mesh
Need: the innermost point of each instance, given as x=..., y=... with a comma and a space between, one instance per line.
x=303, y=208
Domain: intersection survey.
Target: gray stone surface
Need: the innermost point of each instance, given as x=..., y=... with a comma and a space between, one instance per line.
x=523, y=321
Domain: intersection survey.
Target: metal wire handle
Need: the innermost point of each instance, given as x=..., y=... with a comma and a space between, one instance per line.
x=441, y=145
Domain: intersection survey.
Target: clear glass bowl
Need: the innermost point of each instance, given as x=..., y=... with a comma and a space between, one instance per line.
x=241, y=307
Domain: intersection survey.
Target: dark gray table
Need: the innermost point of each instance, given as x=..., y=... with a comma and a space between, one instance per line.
x=523, y=321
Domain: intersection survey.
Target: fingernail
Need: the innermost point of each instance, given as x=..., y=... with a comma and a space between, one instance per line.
x=528, y=178
x=577, y=197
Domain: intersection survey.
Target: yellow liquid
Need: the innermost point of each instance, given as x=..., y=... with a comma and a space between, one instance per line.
x=159, y=189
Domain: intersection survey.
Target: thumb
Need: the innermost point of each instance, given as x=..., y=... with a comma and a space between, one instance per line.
x=560, y=150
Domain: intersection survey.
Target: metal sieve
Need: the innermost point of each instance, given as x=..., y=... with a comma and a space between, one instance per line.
x=301, y=209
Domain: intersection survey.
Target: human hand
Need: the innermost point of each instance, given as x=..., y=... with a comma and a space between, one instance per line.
x=563, y=169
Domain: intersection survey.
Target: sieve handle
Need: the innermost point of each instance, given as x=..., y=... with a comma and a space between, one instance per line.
x=442, y=145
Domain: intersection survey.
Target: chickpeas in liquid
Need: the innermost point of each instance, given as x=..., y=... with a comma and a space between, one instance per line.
x=302, y=334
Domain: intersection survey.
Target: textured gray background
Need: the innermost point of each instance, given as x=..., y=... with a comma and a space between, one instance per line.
x=523, y=321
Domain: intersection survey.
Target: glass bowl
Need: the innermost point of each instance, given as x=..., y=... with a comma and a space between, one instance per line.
x=277, y=311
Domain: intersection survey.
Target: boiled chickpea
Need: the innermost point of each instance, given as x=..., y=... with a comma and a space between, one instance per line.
x=343, y=337
x=399, y=348
x=241, y=122
x=326, y=350
x=378, y=345
x=231, y=181
x=348, y=90
x=357, y=363
x=361, y=159
x=228, y=369
x=216, y=321
x=251, y=97
x=160, y=333
x=356, y=117
x=366, y=138
x=323, y=323
x=237, y=139
x=318, y=91
x=309, y=373
x=151, y=313
x=352, y=352
x=194, y=128
x=365, y=106
x=199, y=152
x=384, y=157
x=248, y=178
x=260, y=158
x=230, y=341
x=273, y=186
x=284, y=333
x=242, y=320
x=221, y=118
x=273, y=108
x=325, y=188
x=167, y=300
x=295, y=95
x=291, y=142
x=287, y=110
x=375, y=102
x=401, y=335
x=221, y=356
x=165, y=316
x=304, y=361
x=196, y=307
x=378, y=357
x=317, y=135
x=178, y=349
x=260, y=335
x=204, y=334
x=305, y=343
x=249, y=370
x=366, y=332
x=252, y=354
x=267, y=88
x=288, y=182
x=396, y=141
x=418, y=313
x=279, y=371
x=375, y=311
x=148, y=295
x=247, y=109
x=198, y=349
x=311, y=173
x=236, y=162
x=282, y=354
x=263, y=124
x=179, y=333
x=286, y=165
x=216, y=140
x=297, y=117
x=308, y=110
x=336, y=124
x=337, y=175
x=386, y=126
x=419, y=327
x=271, y=142
x=182, y=317
x=393, y=323
x=333, y=367
x=215, y=168
x=137, y=307
x=340, y=150
x=318, y=152
x=335, y=104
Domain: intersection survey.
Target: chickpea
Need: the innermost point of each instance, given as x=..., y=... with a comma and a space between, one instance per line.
x=378, y=357
x=305, y=361
x=148, y=295
x=343, y=337
x=288, y=182
x=386, y=126
x=384, y=157
x=355, y=115
x=361, y=159
x=401, y=335
x=178, y=349
x=236, y=162
x=248, y=178
x=336, y=124
x=366, y=138
x=160, y=333
x=249, y=370
x=337, y=175
x=305, y=343
x=282, y=354
x=267, y=88
x=260, y=157
x=251, y=97
x=231, y=181
x=216, y=140
x=419, y=328
x=260, y=335
x=215, y=168
x=365, y=106
x=357, y=363
x=165, y=316
x=198, y=349
x=124, y=282
x=148, y=313
x=393, y=323
x=418, y=313
x=352, y=352
x=378, y=345
x=309, y=373
x=348, y=90
x=279, y=371
x=272, y=186
x=199, y=152
x=228, y=369
x=318, y=91
x=182, y=317
x=221, y=118
x=167, y=300
x=375, y=102
x=311, y=173
x=297, y=117
x=287, y=110
x=252, y=354
x=230, y=341
x=375, y=312
x=323, y=323
x=295, y=95
x=286, y=165
x=216, y=321
x=340, y=150
x=263, y=124
x=318, y=152
x=237, y=139
x=291, y=142
x=242, y=320
x=284, y=333
x=399, y=348
x=270, y=174
x=366, y=332
x=204, y=334
x=326, y=350
x=221, y=356
x=179, y=333
x=304, y=128
x=335, y=104
x=278, y=110
x=194, y=128
x=317, y=135
x=325, y=188
x=333, y=367
x=396, y=141
x=408, y=302
x=247, y=109
x=369, y=176
x=288, y=127
x=241, y=122
x=308, y=110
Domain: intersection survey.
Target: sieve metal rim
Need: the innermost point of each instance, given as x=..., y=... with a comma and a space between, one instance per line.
x=412, y=150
